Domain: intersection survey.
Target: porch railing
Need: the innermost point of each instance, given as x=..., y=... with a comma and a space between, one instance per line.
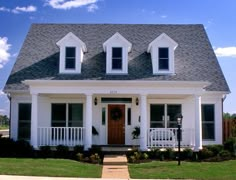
x=54, y=136
x=167, y=137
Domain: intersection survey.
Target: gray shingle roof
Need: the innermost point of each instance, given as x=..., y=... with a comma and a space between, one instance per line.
x=194, y=57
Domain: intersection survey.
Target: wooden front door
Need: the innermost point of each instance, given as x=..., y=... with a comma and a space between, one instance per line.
x=116, y=124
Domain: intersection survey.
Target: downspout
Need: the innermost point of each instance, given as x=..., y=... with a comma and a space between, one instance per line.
x=9, y=97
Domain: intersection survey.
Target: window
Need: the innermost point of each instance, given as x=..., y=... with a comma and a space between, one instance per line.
x=24, y=123
x=103, y=116
x=129, y=116
x=163, y=59
x=60, y=117
x=70, y=58
x=208, y=121
x=164, y=115
x=117, y=58
x=75, y=115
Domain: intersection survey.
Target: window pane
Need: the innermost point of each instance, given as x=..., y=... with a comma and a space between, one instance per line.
x=117, y=52
x=103, y=116
x=58, y=115
x=163, y=53
x=172, y=111
x=129, y=116
x=70, y=51
x=75, y=115
x=208, y=121
x=70, y=58
x=163, y=60
x=24, y=123
x=157, y=114
x=117, y=58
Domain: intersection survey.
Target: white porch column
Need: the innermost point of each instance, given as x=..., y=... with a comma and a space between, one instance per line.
x=143, y=128
x=34, y=121
x=198, y=123
x=88, y=122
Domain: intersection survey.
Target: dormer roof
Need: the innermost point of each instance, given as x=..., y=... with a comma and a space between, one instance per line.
x=117, y=39
x=72, y=39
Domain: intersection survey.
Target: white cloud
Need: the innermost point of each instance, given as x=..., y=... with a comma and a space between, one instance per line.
x=163, y=16
x=226, y=52
x=4, y=9
x=68, y=4
x=4, y=54
x=24, y=9
x=92, y=7
x=1, y=93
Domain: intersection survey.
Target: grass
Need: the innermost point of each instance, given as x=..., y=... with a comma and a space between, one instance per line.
x=4, y=127
x=187, y=170
x=48, y=167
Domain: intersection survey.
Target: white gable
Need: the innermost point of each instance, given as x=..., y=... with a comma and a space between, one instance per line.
x=72, y=40
x=164, y=41
x=117, y=40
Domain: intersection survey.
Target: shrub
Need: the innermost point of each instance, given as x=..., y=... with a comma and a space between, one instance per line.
x=62, y=151
x=132, y=159
x=187, y=153
x=154, y=153
x=169, y=153
x=78, y=149
x=137, y=155
x=216, y=149
x=205, y=153
x=225, y=154
x=46, y=152
x=7, y=147
x=24, y=149
x=230, y=145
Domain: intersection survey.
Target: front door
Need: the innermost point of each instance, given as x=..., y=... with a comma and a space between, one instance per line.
x=116, y=124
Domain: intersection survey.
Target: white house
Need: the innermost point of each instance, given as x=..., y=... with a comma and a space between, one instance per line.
x=72, y=79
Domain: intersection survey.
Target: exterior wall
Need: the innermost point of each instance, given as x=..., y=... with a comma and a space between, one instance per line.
x=187, y=102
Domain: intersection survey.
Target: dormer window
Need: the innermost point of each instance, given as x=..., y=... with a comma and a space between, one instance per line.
x=70, y=57
x=162, y=53
x=72, y=50
x=116, y=58
x=163, y=59
x=117, y=49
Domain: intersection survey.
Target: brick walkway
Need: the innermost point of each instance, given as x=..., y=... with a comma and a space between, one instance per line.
x=115, y=167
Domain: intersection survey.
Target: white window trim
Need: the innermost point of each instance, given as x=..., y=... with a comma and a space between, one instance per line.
x=162, y=41
x=71, y=40
x=117, y=40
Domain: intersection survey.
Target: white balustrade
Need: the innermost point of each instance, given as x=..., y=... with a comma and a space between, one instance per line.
x=167, y=137
x=54, y=136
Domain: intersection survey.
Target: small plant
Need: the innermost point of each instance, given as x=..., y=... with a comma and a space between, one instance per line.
x=94, y=131
x=24, y=149
x=136, y=132
x=95, y=158
x=80, y=157
x=145, y=156
x=169, y=153
x=132, y=159
x=216, y=149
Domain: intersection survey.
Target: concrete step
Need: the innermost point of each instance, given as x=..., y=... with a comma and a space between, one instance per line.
x=115, y=160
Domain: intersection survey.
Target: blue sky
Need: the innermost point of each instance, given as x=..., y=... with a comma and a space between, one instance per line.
x=218, y=17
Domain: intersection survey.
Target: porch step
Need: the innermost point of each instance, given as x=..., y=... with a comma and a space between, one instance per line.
x=116, y=150
x=115, y=160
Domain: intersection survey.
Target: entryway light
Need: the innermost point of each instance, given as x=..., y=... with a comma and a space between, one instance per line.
x=95, y=101
x=136, y=101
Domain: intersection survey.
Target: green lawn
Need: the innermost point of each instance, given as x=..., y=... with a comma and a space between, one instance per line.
x=48, y=167
x=187, y=170
x=4, y=127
